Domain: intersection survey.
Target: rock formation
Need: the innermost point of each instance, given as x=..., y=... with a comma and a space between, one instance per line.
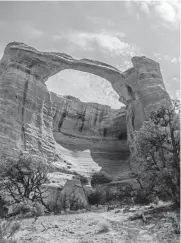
x=63, y=129
x=90, y=134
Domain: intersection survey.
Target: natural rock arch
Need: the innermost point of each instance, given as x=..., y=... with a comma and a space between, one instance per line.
x=29, y=113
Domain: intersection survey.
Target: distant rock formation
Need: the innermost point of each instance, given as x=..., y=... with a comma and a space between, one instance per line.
x=76, y=136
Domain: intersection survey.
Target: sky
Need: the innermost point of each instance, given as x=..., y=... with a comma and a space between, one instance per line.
x=110, y=32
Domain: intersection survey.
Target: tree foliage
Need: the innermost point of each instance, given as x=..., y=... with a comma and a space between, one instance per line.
x=158, y=151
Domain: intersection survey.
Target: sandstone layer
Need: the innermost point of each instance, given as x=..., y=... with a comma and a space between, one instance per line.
x=89, y=136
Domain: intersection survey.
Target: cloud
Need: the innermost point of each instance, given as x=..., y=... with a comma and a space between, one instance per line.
x=138, y=16
x=144, y=7
x=169, y=12
x=104, y=41
x=120, y=34
x=81, y=40
x=97, y=20
x=32, y=32
x=57, y=37
x=178, y=94
x=175, y=79
x=129, y=7
x=125, y=65
x=174, y=60
x=167, y=58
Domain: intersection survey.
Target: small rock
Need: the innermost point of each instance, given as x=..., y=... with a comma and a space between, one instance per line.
x=117, y=211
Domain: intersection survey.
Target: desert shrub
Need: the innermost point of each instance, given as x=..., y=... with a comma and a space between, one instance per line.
x=105, y=194
x=75, y=203
x=124, y=190
x=104, y=226
x=175, y=219
x=109, y=196
x=3, y=207
x=55, y=204
x=157, y=156
x=100, y=178
x=64, y=202
x=83, y=180
x=95, y=197
x=117, y=192
x=26, y=208
x=142, y=197
x=23, y=179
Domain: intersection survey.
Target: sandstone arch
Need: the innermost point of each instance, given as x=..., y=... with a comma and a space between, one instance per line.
x=29, y=114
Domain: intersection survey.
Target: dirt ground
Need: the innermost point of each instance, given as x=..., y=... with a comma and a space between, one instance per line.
x=96, y=227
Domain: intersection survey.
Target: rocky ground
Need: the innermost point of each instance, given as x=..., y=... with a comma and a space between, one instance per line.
x=99, y=226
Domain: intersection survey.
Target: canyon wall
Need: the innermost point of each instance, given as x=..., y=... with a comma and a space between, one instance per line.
x=90, y=134
x=76, y=136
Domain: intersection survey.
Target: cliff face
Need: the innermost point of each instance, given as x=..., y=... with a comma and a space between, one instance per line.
x=147, y=91
x=90, y=136
x=26, y=121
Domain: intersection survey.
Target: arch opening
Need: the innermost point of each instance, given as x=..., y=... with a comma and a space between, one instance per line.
x=86, y=87
x=91, y=135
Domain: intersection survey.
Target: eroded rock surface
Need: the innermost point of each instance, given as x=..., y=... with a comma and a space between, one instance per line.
x=88, y=135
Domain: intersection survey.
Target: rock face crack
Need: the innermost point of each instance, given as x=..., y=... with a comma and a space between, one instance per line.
x=23, y=131
x=63, y=117
x=82, y=119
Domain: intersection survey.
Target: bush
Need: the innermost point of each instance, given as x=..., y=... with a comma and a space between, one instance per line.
x=55, y=204
x=142, y=197
x=95, y=197
x=175, y=219
x=104, y=226
x=3, y=207
x=99, y=179
x=64, y=202
x=27, y=208
x=23, y=179
x=105, y=194
x=157, y=153
x=117, y=192
x=75, y=203
x=83, y=180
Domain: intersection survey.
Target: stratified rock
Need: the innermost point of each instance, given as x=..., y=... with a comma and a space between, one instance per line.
x=90, y=133
x=74, y=135
x=147, y=92
x=26, y=121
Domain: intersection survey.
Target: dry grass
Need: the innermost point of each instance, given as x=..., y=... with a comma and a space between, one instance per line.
x=104, y=226
x=100, y=226
x=8, y=230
